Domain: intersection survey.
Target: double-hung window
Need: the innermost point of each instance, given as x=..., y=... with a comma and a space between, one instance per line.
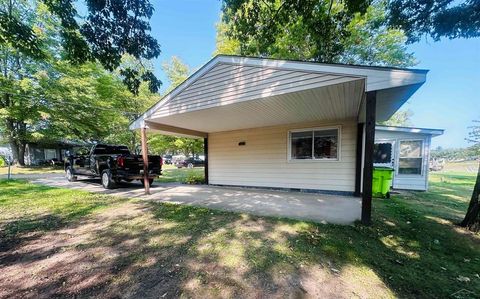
x=314, y=144
x=410, y=160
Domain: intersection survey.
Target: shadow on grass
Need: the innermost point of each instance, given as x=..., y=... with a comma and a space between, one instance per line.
x=156, y=249
x=30, y=208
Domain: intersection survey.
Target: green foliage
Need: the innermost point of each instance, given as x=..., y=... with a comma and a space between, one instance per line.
x=401, y=118
x=49, y=99
x=436, y=18
x=268, y=28
x=325, y=31
x=111, y=29
x=177, y=72
x=194, y=179
x=371, y=42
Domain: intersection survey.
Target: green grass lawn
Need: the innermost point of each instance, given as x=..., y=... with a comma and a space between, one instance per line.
x=172, y=174
x=140, y=249
x=31, y=170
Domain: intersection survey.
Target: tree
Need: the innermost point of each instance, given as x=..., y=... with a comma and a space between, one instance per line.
x=46, y=98
x=21, y=102
x=400, y=118
x=110, y=30
x=371, y=42
x=472, y=217
x=325, y=31
x=267, y=28
x=177, y=72
x=435, y=18
x=131, y=106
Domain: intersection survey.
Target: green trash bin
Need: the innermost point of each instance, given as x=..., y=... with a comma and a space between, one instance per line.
x=382, y=180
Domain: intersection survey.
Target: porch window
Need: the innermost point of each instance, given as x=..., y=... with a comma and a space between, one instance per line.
x=410, y=160
x=382, y=153
x=314, y=144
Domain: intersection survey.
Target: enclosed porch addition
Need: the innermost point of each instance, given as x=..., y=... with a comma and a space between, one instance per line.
x=285, y=124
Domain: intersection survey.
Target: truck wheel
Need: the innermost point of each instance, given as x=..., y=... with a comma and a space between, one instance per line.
x=69, y=174
x=190, y=165
x=107, y=181
x=150, y=182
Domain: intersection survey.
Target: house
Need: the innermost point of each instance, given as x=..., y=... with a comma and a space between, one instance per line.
x=285, y=124
x=42, y=153
x=407, y=151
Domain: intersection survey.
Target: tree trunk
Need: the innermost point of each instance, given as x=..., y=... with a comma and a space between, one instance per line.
x=15, y=131
x=14, y=149
x=472, y=218
x=21, y=153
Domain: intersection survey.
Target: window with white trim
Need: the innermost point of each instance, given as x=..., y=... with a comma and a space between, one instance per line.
x=314, y=144
x=410, y=159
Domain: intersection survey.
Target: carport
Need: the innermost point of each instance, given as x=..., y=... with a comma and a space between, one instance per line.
x=283, y=124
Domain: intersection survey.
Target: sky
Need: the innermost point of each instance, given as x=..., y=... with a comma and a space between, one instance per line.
x=449, y=100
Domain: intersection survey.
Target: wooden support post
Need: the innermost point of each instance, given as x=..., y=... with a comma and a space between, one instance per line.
x=143, y=133
x=358, y=160
x=205, y=151
x=371, y=100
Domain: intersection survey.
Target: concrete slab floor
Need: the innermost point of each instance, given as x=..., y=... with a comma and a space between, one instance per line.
x=290, y=204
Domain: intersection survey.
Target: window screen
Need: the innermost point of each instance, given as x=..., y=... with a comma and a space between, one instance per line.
x=314, y=144
x=382, y=153
x=301, y=145
x=410, y=159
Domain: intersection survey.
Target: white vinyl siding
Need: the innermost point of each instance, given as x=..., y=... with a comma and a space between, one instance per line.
x=229, y=84
x=263, y=160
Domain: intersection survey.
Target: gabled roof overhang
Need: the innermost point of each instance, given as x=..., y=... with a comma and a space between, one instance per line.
x=233, y=92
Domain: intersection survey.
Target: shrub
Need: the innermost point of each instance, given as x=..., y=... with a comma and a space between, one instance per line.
x=194, y=179
x=2, y=162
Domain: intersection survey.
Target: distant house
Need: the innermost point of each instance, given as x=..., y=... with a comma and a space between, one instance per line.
x=407, y=151
x=43, y=154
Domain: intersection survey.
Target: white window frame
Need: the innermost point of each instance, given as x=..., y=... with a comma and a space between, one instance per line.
x=313, y=159
x=422, y=156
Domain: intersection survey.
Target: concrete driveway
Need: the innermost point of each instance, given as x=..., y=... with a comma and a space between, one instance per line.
x=298, y=205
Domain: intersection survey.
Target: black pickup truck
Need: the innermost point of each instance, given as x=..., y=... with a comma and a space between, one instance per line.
x=111, y=163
